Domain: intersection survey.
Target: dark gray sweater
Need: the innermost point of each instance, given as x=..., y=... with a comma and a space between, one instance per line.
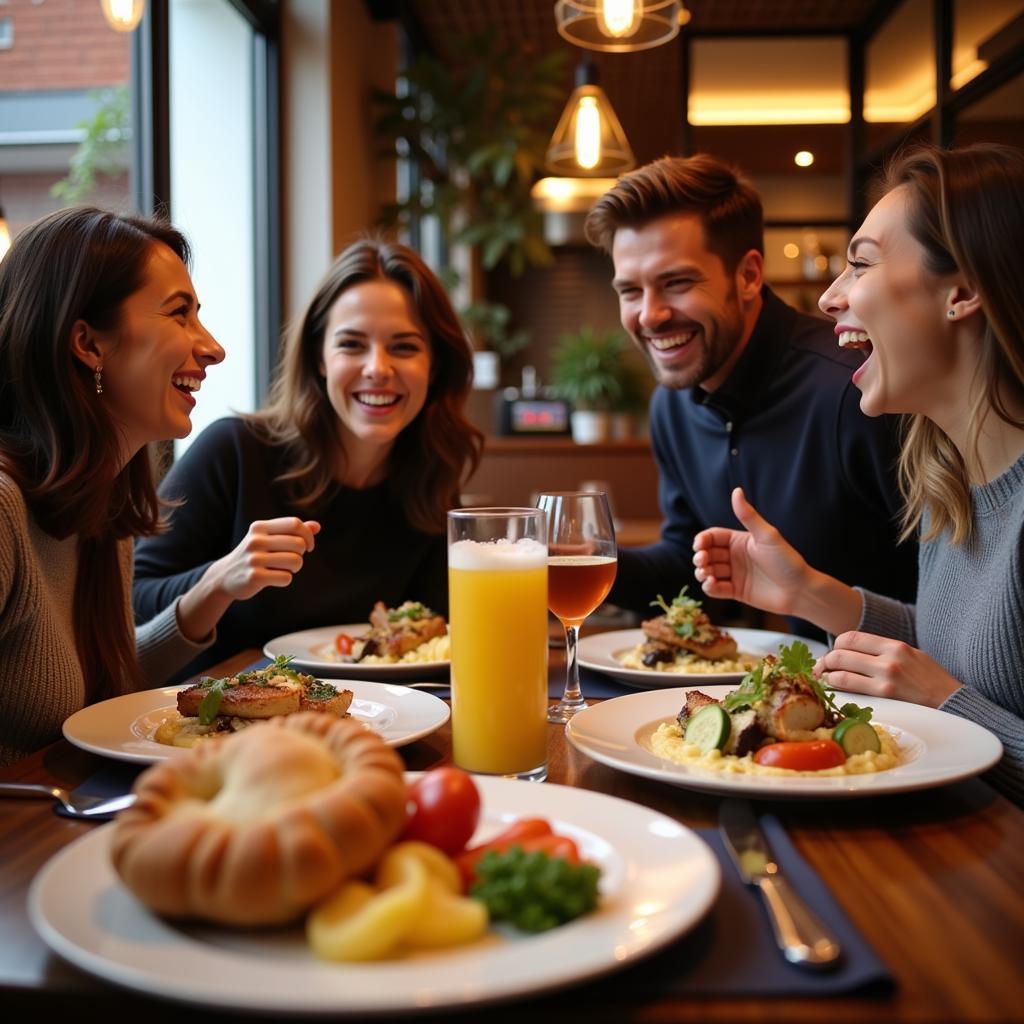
x=969, y=617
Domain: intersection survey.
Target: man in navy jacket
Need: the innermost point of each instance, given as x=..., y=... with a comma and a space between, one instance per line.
x=752, y=393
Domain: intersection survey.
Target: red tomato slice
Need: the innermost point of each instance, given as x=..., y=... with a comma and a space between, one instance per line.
x=445, y=809
x=801, y=755
x=343, y=643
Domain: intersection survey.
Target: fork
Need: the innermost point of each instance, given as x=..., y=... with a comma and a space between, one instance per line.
x=77, y=805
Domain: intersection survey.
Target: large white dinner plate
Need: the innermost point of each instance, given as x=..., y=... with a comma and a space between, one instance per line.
x=598, y=651
x=305, y=647
x=938, y=748
x=658, y=880
x=122, y=727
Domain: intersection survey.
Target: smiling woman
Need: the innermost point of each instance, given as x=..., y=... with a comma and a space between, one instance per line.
x=100, y=344
x=346, y=474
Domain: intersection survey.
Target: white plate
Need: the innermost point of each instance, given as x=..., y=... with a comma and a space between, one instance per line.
x=303, y=649
x=658, y=880
x=598, y=651
x=939, y=748
x=122, y=727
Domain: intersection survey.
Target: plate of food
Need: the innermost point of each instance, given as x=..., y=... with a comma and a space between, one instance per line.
x=652, y=880
x=396, y=643
x=152, y=725
x=782, y=733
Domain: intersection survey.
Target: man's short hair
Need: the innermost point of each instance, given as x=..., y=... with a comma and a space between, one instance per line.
x=726, y=202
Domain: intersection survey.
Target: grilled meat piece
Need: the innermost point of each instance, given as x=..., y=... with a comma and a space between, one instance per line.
x=747, y=732
x=707, y=641
x=654, y=651
x=247, y=700
x=695, y=700
x=793, y=708
x=395, y=637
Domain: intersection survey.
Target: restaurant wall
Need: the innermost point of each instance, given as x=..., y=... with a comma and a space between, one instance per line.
x=332, y=181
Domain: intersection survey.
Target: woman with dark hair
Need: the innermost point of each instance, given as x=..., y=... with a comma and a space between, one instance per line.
x=931, y=294
x=100, y=350
x=346, y=474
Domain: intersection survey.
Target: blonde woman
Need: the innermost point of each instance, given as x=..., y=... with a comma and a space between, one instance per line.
x=930, y=294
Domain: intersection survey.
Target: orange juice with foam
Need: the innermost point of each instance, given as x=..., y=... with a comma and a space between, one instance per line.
x=498, y=621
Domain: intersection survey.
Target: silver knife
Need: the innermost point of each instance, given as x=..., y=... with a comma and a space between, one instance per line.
x=803, y=939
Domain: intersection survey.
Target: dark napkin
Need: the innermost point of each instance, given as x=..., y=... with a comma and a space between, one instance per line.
x=113, y=779
x=732, y=952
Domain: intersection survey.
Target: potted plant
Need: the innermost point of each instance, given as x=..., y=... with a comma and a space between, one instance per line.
x=587, y=370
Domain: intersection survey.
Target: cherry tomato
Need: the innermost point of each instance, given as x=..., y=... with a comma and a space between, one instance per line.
x=801, y=755
x=343, y=643
x=444, y=809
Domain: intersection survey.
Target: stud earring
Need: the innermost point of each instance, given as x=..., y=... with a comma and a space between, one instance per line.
x=951, y=313
x=97, y=376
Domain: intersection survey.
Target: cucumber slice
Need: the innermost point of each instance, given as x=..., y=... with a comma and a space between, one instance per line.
x=709, y=728
x=856, y=736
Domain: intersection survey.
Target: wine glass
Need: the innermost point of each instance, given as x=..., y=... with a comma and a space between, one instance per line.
x=581, y=569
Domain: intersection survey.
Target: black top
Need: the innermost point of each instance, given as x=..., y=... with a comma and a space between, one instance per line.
x=787, y=427
x=365, y=552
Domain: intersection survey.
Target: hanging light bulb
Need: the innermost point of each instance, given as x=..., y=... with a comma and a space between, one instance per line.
x=123, y=15
x=619, y=18
x=5, y=235
x=589, y=140
x=619, y=26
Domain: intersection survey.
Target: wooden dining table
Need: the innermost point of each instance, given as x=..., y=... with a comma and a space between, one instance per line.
x=933, y=879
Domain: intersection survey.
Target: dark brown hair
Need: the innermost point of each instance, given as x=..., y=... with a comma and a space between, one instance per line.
x=432, y=454
x=966, y=208
x=57, y=440
x=727, y=204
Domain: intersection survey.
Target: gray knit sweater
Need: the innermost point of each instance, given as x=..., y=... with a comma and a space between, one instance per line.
x=41, y=681
x=969, y=617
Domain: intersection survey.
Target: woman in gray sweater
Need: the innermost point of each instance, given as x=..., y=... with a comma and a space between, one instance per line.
x=931, y=295
x=101, y=349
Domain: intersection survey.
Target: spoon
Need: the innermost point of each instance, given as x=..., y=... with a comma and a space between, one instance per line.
x=76, y=804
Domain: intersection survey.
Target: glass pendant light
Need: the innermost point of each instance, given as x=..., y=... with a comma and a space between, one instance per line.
x=123, y=15
x=589, y=140
x=619, y=26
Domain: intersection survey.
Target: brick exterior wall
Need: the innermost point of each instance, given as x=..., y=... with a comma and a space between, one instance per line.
x=61, y=44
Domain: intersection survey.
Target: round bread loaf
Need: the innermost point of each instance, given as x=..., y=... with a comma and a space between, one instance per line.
x=255, y=828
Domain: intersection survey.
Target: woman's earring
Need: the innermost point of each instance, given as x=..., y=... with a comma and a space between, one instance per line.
x=97, y=376
x=951, y=313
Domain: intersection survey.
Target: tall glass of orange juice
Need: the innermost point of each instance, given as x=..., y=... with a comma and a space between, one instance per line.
x=498, y=621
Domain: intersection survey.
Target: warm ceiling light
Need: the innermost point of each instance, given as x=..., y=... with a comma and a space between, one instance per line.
x=589, y=140
x=619, y=26
x=566, y=195
x=791, y=250
x=804, y=158
x=123, y=15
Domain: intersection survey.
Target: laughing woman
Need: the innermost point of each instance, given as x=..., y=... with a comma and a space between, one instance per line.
x=931, y=294
x=347, y=473
x=99, y=333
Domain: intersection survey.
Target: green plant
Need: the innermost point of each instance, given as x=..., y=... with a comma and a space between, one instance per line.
x=477, y=128
x=102, y=148
x=587, y=368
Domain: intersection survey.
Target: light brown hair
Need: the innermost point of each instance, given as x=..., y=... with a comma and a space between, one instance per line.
x=966, y=208
x=57, y=438
x=432, y=454
x=727, y=204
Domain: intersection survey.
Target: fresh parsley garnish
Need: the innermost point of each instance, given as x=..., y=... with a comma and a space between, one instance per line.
x=680, y=613
x=795, y=661
x=412, y=610
x=319, y=690
x=210, y=704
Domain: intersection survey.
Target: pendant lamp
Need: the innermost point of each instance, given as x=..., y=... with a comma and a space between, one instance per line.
x=589, y=140
x=123, y=15
x=619, y=26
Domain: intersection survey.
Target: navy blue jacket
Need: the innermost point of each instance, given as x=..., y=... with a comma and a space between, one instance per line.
x=787, y=427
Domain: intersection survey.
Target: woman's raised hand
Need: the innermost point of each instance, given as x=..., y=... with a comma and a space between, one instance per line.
x=755, y=565
x=269, y=555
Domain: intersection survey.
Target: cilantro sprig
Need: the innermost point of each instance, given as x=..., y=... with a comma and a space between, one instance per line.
x=680, y=613
x=795, y=661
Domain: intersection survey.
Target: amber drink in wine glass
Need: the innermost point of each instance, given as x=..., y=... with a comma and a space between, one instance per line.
x=581, y=569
